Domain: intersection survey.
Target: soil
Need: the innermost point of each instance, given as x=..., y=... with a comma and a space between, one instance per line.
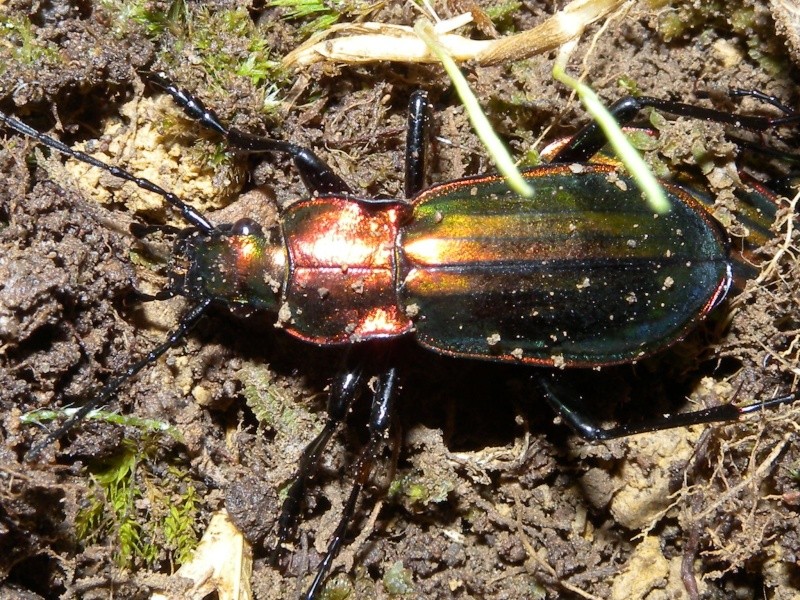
x=478, y=494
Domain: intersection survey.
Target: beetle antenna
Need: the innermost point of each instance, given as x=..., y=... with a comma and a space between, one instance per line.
x=190, y=214
x=187, y=321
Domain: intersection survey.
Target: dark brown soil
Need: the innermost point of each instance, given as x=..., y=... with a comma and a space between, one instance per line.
x=488, y=497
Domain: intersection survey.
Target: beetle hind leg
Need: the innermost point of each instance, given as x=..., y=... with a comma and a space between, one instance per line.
x=590, y=430
x=590, y=139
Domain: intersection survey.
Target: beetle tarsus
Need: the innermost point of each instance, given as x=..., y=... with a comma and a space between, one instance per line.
x=762, y=97
x=768, y=404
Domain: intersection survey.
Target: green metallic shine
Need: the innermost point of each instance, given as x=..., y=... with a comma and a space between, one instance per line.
x=581, y=274
x=246, y=272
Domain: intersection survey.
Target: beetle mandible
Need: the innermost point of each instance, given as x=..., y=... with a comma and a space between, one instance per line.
x=468, y=267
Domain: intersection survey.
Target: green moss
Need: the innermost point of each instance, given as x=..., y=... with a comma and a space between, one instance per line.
x=136, y=16
x=338, y=588
x=642, y=140
x=272, y=403
x=536, y=591
x=417, y=489
x=141, y=533
x=146, y=517
x=770, y=62
x=324, y=13
x=531, y=158
x=743, y=19
x=746, y=20
x=398, y=581
x=324, y=16
x=220, y=44
x=19, y=35
x=629, y=86
x=226, y=43
x=670, y=25
x=502, y=12
x=179, y=523
x=37, y=417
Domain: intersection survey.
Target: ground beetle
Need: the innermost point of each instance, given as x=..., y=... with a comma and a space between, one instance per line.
x=582, y=274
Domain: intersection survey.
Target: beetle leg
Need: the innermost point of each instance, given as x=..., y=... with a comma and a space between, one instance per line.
x=762, y=97
x=317, y=176
x=188, y=320
x=379, y=422
x=417, y=136
x=590, y=430
x=590, y=139
x=158, y=297
x=343, y=393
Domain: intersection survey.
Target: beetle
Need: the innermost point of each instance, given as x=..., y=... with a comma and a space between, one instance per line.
x=581, y=275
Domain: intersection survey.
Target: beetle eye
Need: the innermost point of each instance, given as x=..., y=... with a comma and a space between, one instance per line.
x=246, y=227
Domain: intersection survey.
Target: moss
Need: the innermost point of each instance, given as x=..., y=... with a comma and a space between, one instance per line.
x=417, y=489
x=502, y=12
x=705, y=21
x=223, y=45
x=19, y=36
x=338, y=588
x=324, y=14
x=272, y=403
x=629, y=86
x=134, y=16
x=226, y=43
x=397, y=580
x=146, y=517
x=530, y=158
x=179, y=523
x=37, y=417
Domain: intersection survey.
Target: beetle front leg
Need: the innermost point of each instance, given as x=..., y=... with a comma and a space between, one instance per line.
x=379, y=423
x=317, y=176
x=186, y=323
x=590, y=430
